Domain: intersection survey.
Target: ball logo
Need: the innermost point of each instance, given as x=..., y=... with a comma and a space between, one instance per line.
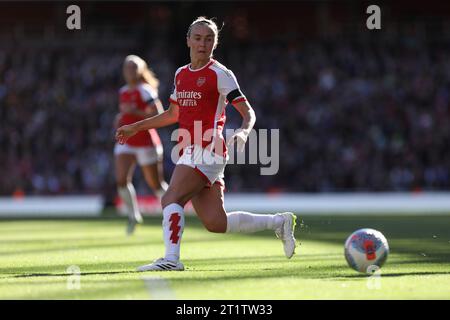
x=370, y=250
x=201, y=81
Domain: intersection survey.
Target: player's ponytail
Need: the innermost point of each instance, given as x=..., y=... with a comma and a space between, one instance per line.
x=144, y=72
x=149, y=77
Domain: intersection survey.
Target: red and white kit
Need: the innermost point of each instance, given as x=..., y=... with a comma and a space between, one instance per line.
x=202, y=96
x=145, y=145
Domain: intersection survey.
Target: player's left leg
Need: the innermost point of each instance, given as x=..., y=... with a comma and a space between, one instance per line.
x=209, y=206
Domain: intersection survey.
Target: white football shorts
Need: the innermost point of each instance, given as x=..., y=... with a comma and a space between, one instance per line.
x=208, y=164
x=144, y=155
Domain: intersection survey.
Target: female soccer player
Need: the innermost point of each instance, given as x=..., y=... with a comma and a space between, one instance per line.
x=201, y=91
x=138, y=99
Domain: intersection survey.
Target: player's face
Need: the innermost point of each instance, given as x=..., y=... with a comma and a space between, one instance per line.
x=201, y=41
x=130, y=72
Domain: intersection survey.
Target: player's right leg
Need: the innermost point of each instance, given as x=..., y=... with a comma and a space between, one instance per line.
x=124, y=166
x=209, y=206
x=184, y=184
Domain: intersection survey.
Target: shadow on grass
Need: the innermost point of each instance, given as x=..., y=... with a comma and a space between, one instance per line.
x=262, y=260
x=398, y=274
x=196, y=270
x=32, y=275
x=424, y=237
x=73, y=244
x=190, y=275
x=427, y=237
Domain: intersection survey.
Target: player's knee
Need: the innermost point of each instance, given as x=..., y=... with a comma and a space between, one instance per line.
x=172, y=196
x=215, y=225
x=165, y=199
x=155, y=185
x=121, y=183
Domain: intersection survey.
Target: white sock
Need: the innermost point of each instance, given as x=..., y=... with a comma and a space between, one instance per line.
x=128, y=195
x=173, y=227
x=160, y=192
x=246, y=222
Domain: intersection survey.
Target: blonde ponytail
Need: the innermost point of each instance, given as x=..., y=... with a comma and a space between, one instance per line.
x=149, y=77
x=145, y=73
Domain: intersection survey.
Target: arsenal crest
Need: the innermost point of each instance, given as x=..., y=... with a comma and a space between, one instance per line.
x=201, y=81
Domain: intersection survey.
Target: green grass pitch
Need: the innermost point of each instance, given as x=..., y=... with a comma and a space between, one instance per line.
x=35, y=256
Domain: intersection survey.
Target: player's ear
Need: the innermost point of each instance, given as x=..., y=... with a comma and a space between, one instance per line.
x=188, y=42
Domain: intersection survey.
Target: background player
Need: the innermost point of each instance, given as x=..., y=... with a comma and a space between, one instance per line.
x=138, y=99
x=201, y=92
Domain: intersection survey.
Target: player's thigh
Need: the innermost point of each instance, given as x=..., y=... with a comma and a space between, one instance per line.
x=184, y=184
x=209, y=206
x=153, y=174
x=124, y=167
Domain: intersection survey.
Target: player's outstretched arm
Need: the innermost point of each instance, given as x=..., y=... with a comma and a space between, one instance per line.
x=161, y=120
x=248, y=121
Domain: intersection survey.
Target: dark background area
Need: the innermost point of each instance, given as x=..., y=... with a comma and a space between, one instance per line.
x=358, y=110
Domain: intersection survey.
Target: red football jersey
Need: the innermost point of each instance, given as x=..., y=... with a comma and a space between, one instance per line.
x=202, y=95
x=139, y=97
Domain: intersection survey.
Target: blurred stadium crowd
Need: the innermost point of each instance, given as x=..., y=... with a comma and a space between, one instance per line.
x=369, y=112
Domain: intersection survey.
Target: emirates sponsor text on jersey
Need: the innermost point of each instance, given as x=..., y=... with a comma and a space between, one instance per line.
x=188, y=98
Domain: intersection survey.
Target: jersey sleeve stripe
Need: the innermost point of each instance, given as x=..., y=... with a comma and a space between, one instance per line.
x=239, y=99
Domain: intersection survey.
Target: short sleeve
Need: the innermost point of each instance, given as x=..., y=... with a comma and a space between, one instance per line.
x=229, y=87
x=173, y=95
x=148, y=94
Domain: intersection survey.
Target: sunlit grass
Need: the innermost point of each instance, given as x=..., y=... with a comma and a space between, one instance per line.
x=35, y=256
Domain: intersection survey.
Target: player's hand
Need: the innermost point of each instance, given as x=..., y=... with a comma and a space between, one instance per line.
x=240, y=137
x=125, y=132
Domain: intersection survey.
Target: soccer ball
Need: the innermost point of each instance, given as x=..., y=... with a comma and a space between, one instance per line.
x=366, y=250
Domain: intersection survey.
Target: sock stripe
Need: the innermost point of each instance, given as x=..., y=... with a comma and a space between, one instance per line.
x=173, y=225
